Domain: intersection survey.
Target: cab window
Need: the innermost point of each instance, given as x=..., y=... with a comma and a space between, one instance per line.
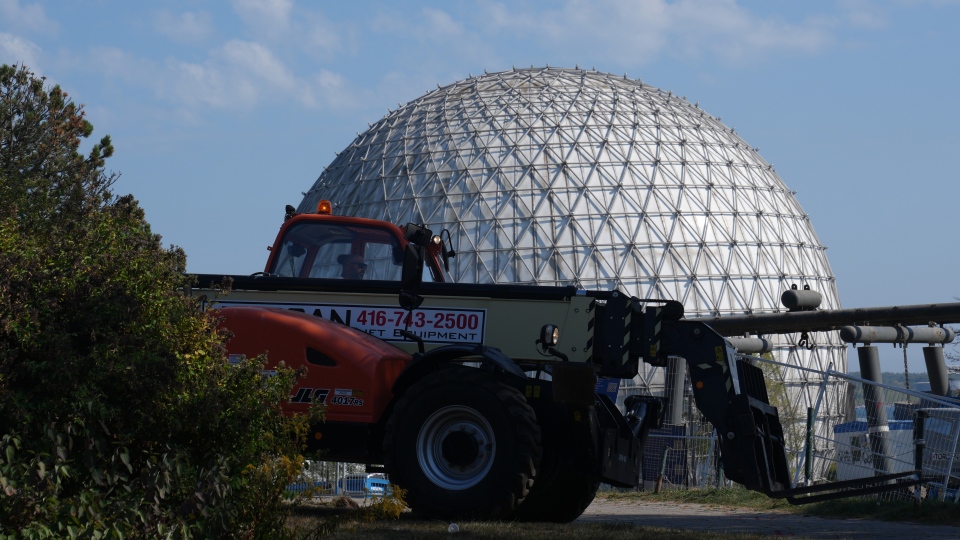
x=325, y=250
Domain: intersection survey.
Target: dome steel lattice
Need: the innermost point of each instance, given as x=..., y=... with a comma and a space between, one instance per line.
x=564, y=176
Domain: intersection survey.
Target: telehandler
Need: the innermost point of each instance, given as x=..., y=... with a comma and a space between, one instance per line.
x=480, y=399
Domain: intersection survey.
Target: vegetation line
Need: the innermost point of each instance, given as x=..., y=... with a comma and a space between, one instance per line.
x=929, y=513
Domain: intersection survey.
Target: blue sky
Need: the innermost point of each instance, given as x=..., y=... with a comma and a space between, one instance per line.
x=223, y=112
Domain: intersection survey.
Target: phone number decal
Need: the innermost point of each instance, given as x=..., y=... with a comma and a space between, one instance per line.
x=433, y=325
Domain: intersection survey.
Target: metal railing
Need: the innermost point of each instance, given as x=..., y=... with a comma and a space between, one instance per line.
x=880, y=435
x=835, y=440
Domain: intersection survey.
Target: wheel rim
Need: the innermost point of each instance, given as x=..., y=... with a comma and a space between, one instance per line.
x=456, y=447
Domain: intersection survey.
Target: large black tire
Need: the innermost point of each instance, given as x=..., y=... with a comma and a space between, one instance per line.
x=463, y=445
x=569, y=474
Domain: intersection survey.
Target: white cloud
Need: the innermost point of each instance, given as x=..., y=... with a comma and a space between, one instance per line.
x=436, y=37
x=271, y=17
x=640, y=31
x=281, y=24
x=440, y=23
x=240, y=74
x=120, y=64
x=16, y=50
x=320, y=37
x=864, y=14
x=723, y=28
x=196, y=84
x=337, y=92
x=253, y=60
x=29, y=16
x=187, y=27
x=935, y=3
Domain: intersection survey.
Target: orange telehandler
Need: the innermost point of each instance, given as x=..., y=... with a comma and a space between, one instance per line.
x=479, y=400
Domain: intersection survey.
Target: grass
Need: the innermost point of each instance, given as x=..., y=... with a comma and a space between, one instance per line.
x=383, y=521
x=928, y=513
x=383, y=518
x=730, y=497
x=407, y=527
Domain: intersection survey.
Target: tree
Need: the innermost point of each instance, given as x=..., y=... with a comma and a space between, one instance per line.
x=119, y=414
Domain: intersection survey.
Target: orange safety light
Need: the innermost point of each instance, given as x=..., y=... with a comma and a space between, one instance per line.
x=325, y=207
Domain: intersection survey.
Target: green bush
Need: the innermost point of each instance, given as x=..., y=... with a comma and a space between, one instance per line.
x=119, y=415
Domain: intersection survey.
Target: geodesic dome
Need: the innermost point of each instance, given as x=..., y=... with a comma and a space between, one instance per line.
x=566, y=176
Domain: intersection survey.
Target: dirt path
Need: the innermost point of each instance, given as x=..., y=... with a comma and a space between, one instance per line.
x=698, y=517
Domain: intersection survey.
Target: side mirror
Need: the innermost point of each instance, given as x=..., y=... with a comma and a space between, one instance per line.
x=411, y=277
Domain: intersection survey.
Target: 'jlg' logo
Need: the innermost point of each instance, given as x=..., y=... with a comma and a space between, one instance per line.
x=308, y=395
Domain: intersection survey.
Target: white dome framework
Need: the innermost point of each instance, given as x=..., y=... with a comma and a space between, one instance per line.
x=565, y=176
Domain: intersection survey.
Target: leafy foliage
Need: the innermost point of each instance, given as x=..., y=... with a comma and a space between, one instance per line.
x=387, y=506
x=119, y=415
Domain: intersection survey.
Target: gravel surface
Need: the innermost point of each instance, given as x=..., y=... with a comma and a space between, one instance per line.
x=698, y=517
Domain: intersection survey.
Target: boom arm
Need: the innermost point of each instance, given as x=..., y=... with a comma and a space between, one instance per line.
x=732, y=395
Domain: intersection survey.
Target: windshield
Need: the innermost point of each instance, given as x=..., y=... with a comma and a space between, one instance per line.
x=338, y=251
